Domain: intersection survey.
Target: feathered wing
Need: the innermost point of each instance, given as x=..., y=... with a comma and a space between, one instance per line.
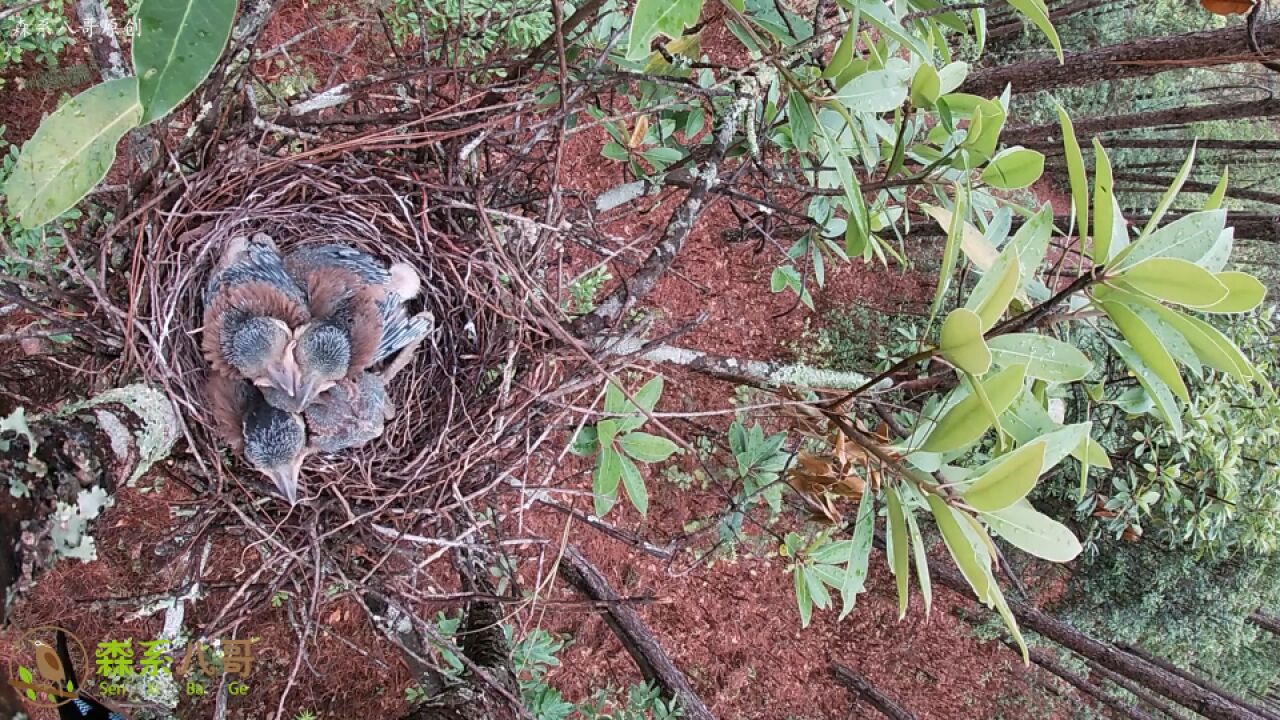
x=366, y=269
x=253, y=261
x=234, y=304
x=228, y=401
x=399, y=330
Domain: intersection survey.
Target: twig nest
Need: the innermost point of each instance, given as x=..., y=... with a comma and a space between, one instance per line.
x=451, y=404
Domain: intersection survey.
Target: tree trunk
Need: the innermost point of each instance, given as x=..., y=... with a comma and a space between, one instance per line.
x=1015, y=24
x=1187, y=694
x=861, y=688
x=78, y=456
x=1270, y=623
x=1162, y=181
x=1090, y=126
x=1201, y=682
x=1181, y=144
x=1120, y=709
x=1139, y=692
x=1139, y=58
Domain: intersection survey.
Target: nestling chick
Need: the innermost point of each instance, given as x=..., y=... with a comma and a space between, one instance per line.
x=359, y=316
x=338, y=419
x=251, y=308
x=272, y=440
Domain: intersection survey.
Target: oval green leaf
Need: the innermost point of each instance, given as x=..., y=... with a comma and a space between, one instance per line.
x=71, y=152
x=1175, y=280
x=1147, y=345
x=875, y=91
x=996, y=289
x=1014, y=168
x=969, y=419
x=1189, y=237
x=178, y=44
x=1026, y=528
x=899, y=558
x=633, y=483
x=961, y=342
x=1008, y=481
x=1046, y=358
x=1244, y=293
x=926, y=86
x=647, y=448
x=973, y=564
x=604, y=482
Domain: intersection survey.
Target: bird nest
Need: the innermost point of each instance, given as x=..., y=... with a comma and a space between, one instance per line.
x=462, y=404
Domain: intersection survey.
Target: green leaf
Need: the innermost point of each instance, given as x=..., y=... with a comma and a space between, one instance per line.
x=1008, y=481
x=969, y=419
x=973, y=564
x=1027, y=421
x=1066, y=440
x=952, y=76
x=604, y=482
x=633, y=483
x=71, y=151
x=855, y=575
x=647, y=448
x=842, y=57
x=961, y=342
x=25, y=675
x=926, y=86
x=1171, y=194
x=951, y=222
x=922, y=561
x=1190, y=237
x=1244, y=293
x=803, y=601
x=1027, y=529
x=1032, y=240
x=899, y=560
x=1175, y=280
x=1075, y=171
x=1014, y=168
x=1038, y=14
x=662, y=155
x=659, y=17
x=649, y=393
x=1104, y=213
x=1010, y=622
x=813, y=578
x=1211, y=346
x=179, y=43
x=878, y=14
x=1219, y=192
x=875, y=92
x=993, y=293
x=1166, y=405
x=1046, y=358
x=1147, y=345
x=803, y=121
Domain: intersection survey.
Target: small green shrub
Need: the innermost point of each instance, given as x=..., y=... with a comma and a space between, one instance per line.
x=41, y=31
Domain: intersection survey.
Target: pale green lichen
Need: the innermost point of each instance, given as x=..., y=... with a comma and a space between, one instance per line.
x=159, y=422
x=69, y=524
x=17, y=422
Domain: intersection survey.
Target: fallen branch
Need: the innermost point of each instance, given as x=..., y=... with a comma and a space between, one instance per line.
x=654, y=663
x=686, y=215
x=1046, y=660
x=863, y=689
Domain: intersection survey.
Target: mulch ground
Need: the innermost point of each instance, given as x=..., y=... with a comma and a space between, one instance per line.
x=732, y=625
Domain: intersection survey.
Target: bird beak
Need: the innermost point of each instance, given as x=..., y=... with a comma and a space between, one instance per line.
x=285, y=377
x=286, y=479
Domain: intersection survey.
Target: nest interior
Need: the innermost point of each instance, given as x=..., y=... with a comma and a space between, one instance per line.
x=451, y=435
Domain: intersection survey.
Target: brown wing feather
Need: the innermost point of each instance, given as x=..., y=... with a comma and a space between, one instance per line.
x=228, y=399
x=366, y=330
x=255, y=298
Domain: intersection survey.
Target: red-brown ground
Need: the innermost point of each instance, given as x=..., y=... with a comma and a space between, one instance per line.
x=732, y=626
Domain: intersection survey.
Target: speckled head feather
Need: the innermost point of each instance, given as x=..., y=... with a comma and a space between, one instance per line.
x=348, y=417
x=226, y=316
x=273, y=441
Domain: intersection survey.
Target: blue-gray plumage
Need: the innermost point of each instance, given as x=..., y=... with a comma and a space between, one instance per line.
x=357, y=303
x=343, y=417
x=251, y=309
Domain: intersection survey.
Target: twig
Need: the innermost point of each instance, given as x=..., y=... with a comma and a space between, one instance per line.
x=654, y=663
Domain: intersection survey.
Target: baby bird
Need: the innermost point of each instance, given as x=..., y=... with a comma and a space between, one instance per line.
x=338, y=419
x=358, y=315
x=251, y=308
x=274, y=441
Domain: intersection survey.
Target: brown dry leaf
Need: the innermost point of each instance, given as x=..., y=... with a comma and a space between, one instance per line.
x=637, y=134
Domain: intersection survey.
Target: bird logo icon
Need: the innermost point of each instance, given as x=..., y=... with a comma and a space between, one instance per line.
x=43, y=678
